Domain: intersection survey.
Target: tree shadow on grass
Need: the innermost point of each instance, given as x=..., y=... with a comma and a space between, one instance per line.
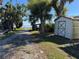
x=17, y=42
x=55, y=39
x=20, y=31
x=72, y=50
x=25, y=39
x=21, y=40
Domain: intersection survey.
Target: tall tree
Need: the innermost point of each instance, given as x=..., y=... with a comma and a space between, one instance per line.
x=32, y=20
x=59, y=5
x=13, y=15
x=40, y=9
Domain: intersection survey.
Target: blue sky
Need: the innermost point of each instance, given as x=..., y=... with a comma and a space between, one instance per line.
x=73, y=8
x=14, y=1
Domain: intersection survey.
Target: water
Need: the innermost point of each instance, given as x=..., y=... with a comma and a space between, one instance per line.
x=26, y=24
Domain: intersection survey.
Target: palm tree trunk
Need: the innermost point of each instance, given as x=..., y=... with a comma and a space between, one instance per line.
x=42, y=26
x=33, y=25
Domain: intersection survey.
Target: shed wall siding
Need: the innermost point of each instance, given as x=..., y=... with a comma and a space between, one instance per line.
x=76, y=29
x=56, y=27
x=68, y=29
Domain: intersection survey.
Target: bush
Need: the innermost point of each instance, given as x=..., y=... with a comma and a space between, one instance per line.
x=49, y=27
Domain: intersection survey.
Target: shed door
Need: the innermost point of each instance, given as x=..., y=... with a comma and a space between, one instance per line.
x=61, y=28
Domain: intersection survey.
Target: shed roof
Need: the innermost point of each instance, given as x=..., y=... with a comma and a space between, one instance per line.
x=75, y=16
x=64, y=17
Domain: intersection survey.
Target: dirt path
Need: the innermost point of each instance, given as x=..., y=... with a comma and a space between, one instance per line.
x=12, y=48
x=25, y=52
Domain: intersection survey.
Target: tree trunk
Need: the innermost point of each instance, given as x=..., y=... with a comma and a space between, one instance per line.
x=42, y=26
x=33, y=25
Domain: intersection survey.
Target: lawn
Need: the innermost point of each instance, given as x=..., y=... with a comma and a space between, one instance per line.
x=23, y=28
x=52, y=51
x=7, y=35
x=51, y=47
x=12, y=32
x=72, y=50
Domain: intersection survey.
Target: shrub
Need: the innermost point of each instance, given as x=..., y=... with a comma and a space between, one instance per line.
x=49, y=27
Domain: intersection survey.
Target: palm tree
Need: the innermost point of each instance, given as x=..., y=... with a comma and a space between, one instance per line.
x=40, y=10
x=7, y=17
x=20, y=11
x=13, y=15
x=32, y=20
x=58, y=6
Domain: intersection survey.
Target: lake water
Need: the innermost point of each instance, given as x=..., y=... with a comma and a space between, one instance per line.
x=26, y=24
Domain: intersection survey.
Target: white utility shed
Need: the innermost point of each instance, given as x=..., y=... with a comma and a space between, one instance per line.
x=67, y=27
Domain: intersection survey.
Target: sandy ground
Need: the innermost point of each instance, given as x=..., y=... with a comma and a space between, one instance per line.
x=12, y=49
x=25, y=52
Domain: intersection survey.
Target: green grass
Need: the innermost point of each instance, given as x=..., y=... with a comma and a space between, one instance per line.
x=51, y=47
x=23, y=28
x=7, y=35
x=52, y=51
